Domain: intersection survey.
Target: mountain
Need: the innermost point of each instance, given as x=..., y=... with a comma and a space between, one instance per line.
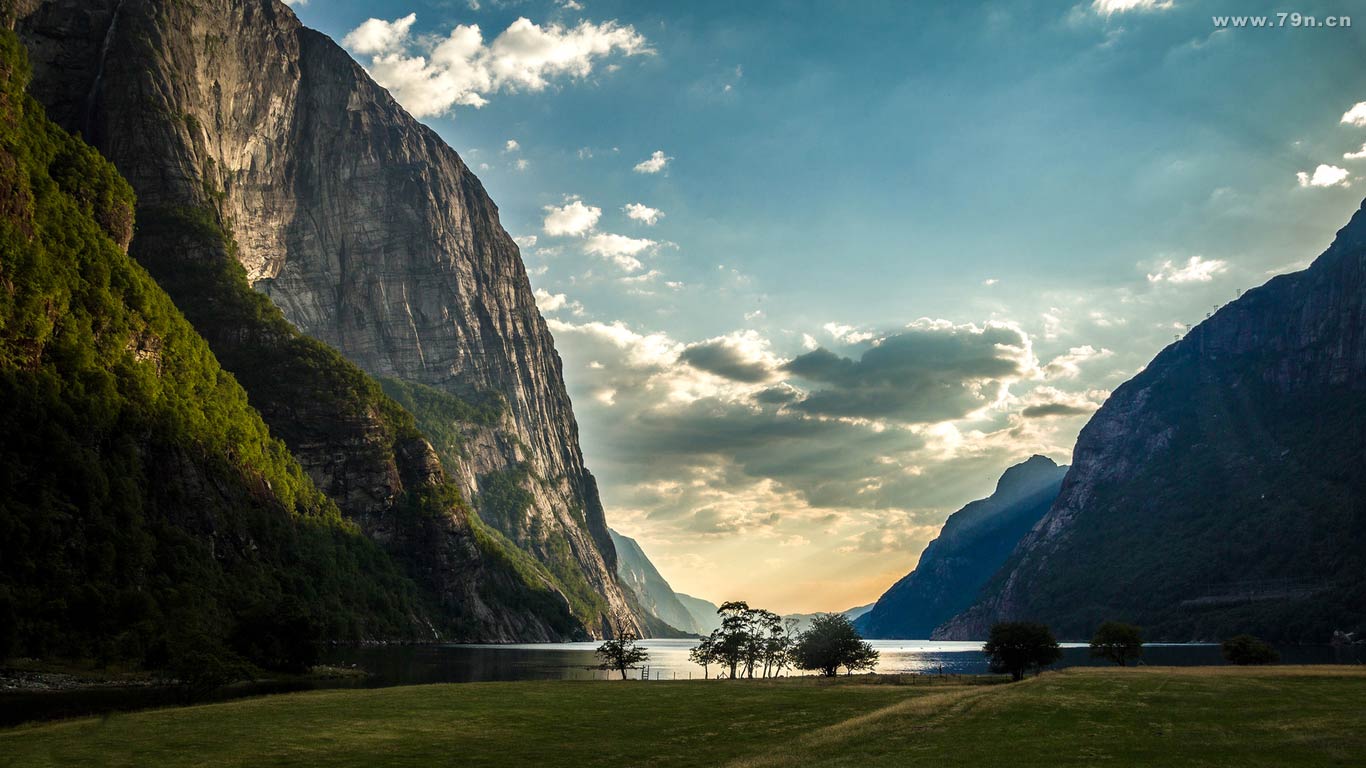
x=655, y=595
x=146, y=513
x=703, y=613
x=972, y=545
x=1220, y=490
x=263, y=156
x=804, y=619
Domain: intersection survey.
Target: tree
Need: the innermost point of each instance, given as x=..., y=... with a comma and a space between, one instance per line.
x=831, y=643
x=1118, y=642
x=621, y=654
x=1018, y=646
x=1246, y=650
x=734, y=638
x=704, y=655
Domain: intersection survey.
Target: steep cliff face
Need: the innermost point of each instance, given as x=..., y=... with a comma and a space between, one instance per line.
x=371, y=235
x=972, y=545
x=146, y=513
x=1220, y=490
x=652, y=590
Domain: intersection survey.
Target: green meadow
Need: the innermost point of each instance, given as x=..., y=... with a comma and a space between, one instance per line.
x=1272, y=716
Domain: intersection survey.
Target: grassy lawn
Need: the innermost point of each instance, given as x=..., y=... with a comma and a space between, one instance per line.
x=1279, y=716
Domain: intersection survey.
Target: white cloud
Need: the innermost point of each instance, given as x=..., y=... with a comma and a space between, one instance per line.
x=847, y=334
x=619, y=249
x=430, y=74
x=657, y=162
x=572, y=218
x=522, y=164
x=1357, y=155
x=376, y=36
x=550, y=302
x=525, y=241
x=511, y=146
x=1108, y=7
x=1068, y=365
x=1356, y=115
x=1325, y=176
x=296, y=2
x=643, y=213
x=1197, y=269
x=990, y=281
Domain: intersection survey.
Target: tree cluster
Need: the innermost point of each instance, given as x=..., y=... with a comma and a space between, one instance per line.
x=756, y=642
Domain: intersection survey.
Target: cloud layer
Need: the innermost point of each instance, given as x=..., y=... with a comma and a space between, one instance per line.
x=431, y=74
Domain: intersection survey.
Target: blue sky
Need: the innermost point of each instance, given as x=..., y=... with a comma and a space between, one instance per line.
x=887, y=249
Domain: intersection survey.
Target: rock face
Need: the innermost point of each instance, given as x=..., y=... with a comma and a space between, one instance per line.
x=703, y=613
x=972, y=545
x=639, y=575
x=360, y=224
x=147, y=514
x=1220, y=490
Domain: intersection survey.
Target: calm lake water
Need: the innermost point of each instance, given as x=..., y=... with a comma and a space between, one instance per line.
x=411, y=665
x=415, y=665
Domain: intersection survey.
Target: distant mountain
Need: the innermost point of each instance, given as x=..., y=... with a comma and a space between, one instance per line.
x=703, y=613
x=804, y=619
x=653, y=593
x=1221, y=489
x=972, y=545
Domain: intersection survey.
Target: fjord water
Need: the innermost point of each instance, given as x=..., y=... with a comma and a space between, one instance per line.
x=393, y=665
x=414, y=665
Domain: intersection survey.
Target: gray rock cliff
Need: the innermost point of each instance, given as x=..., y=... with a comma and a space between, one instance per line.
x=359, y=223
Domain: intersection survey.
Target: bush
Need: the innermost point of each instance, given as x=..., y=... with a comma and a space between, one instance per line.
x=1246, y=650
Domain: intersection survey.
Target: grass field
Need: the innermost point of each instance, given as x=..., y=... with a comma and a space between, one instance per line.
x=1274, y=716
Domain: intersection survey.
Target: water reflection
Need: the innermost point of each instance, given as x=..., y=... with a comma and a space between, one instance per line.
x=409, y=665
x=414, y=665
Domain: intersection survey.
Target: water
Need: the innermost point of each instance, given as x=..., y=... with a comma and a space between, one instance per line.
x=413, y=665
x=416, y=665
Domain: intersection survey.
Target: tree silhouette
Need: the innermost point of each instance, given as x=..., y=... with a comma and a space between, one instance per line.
x=621, y=654
x=831, y=643
x=1118, y=642
x=1018, y=646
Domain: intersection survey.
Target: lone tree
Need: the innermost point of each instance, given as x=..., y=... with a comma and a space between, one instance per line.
x=1246, y=650
x=704, y=655
x=621, y=654
x=1018, y=646
x=1118, y=642
x=831, y=643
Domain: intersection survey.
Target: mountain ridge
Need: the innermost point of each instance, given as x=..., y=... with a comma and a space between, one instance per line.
x=1197, y=446
x=973, y=543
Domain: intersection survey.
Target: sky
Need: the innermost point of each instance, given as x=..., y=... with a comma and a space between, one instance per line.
x=821, y=272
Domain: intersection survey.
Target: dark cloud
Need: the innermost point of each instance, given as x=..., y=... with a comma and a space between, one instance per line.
x=725, y=360
x=918, y=376
x=777, y=396
x=1054, y=409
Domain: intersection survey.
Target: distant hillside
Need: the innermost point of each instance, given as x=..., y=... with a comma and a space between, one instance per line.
x=804, y=619
x=652, y=591
x=1221, y=489
x=972, y=545
x=703, y=613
